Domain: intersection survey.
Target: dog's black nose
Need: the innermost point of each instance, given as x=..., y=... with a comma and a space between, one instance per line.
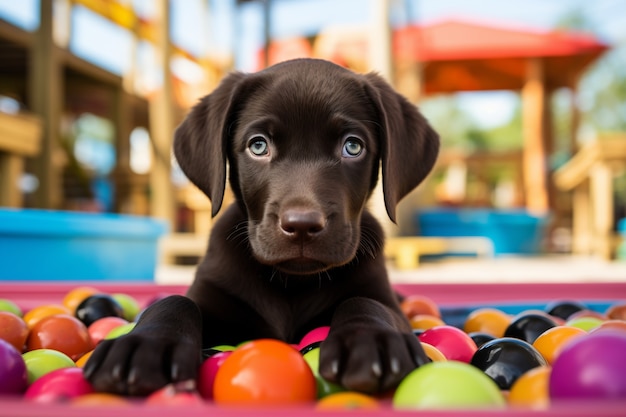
x=298, y=223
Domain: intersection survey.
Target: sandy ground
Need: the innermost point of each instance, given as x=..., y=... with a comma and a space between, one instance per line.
x=558, y=269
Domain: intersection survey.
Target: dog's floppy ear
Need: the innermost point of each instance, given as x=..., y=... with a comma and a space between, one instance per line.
x=409, y=146
x=201, y=140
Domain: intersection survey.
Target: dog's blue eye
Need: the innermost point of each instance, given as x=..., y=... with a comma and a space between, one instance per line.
x=352, y=148
x=258, y=146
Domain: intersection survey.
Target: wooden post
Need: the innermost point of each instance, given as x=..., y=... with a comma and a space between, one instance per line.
x=601, y=192
x=46, y=100
x=162, y=125
x=380, y=62
x=535, y=158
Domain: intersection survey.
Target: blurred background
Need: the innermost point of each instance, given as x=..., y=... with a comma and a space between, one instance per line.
x=529, y=97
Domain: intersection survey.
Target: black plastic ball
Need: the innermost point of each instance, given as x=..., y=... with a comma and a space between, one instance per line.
x=529, y=326
x=563, y=309
x=96, y=307
x=506, y=359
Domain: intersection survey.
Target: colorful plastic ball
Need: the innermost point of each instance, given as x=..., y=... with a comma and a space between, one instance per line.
x=529, y=326
x=451, y=341
x=120, y=331
x=100, y=328
x=616, y=312
x=11, y=307
x=487, y=320
x=324, y=387
x=611, y=325
x=96, y=307
x=531, y=389
x=13, y=374
x=267, y=372
x=506, y=359
x=130, y=306
x=564, y=308
x=316, y=335
x=99, y=399
x=585, y=323
x=76, y=295
x=13, y=329
x=59, y=385
x=587, y=313
x=33, y=316
x=43, y=361
x=419, y=304
x=425, y=321
x=176, y=394
x=347, y=400
x=450, y=384
x=591, y=367
x=552, y=341
x=83, y=359
x=208, y=371
x=481, y=338
x=61, y=332
x=433, y=353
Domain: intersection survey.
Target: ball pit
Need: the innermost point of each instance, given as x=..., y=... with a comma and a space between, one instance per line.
x=455, y=304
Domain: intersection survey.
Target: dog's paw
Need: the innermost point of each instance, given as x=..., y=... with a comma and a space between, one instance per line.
x=138, y=364
x=370, y=360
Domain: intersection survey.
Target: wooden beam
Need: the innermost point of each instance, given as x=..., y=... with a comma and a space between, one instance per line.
x=162, y=125
x=46, y=100
x=535, y=157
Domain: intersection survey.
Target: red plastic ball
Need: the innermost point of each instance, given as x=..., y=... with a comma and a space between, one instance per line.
x=208, y=372
x=13, y=329
x=264, y=372
x=454, y=343
x=60, y=332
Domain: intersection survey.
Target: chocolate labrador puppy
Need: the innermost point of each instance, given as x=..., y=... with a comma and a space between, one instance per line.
x=302, y=142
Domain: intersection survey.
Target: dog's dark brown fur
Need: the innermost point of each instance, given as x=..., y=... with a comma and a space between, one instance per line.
x=303, y=141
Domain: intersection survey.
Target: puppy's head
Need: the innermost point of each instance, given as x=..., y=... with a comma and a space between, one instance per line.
x=303, y=140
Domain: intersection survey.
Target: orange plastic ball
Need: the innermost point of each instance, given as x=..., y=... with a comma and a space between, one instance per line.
x=550, y=342
x=80, y=363
x=531, y=389
x=433, y=353
x=264, y=372
x=419, y=304
x=425, y=321
x=76, y=296
x=61, y=332
x=33, y=316
x=347, y=400
x=487, y=320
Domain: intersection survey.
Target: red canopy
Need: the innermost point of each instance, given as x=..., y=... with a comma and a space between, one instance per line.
x=462, y=56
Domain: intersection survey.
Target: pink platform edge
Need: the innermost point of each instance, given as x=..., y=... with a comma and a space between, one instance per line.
x=28, y=295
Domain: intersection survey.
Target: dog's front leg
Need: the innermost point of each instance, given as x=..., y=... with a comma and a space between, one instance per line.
x=370, y=347
x=165, y=346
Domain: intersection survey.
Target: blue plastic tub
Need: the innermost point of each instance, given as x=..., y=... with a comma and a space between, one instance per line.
x=512, y=232
x=38, y=245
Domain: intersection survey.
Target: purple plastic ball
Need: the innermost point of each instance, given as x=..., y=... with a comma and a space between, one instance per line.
x=13, y=375
x=591, y=367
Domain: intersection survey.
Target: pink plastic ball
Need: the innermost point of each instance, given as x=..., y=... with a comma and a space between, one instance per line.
x=59, y=385
x=591, y=367
x=454, y=343
x=316, y=335
x=208, y=370
x=100, y=328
